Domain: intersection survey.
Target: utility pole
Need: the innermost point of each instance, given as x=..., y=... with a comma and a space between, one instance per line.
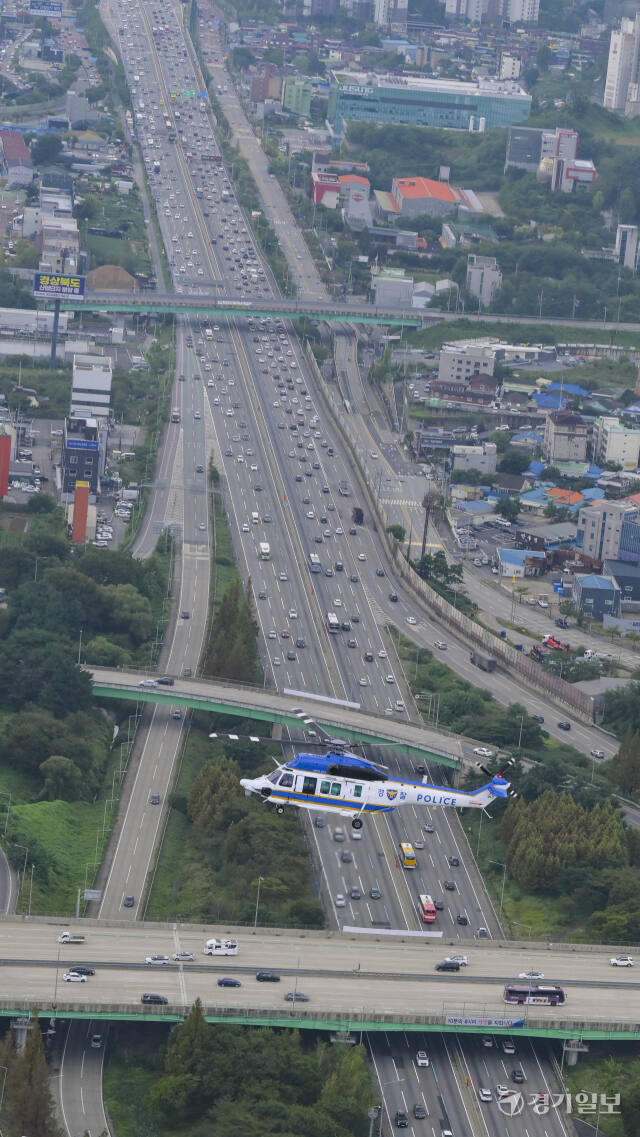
x=427, y=505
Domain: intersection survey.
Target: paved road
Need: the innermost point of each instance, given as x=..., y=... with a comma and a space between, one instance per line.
x=352, y=973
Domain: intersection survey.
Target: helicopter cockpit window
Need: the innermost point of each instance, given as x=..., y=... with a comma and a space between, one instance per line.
x=325, y=787
x=286, y=780
x=335, y=789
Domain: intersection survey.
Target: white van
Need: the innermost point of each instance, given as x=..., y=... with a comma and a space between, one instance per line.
x=221, y=947
x=255, y=518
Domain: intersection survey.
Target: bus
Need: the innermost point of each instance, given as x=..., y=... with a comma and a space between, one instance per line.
x=314, y=563
x=427, y=909
x=264, y=551
x=173, y=95
x=407, y=855
x=541, y=993
x=333, y=623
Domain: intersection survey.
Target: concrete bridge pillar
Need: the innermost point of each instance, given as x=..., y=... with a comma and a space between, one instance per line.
x=20, y=1027
x=571, y=1048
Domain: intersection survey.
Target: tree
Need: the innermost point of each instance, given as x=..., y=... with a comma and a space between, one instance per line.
x=508, y=507
x=624, y=768
x=514, y=462
x=501, y=440
x=30, y=1100
x=212, y=795
x=627, y=209
x=46, y=149
x=62, y=779
x=398, y=532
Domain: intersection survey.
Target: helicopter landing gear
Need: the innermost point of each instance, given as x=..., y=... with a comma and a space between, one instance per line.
x=356, y=823
x=279, y=809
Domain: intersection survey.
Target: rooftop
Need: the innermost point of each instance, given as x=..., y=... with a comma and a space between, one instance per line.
x=591, y=580
x=498, y=88
x=519, y=556
x=425, y=187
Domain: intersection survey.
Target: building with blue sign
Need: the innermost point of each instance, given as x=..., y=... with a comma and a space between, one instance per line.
x=83, y=451
x=413, y=99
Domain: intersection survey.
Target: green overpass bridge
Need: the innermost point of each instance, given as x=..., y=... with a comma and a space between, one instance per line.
x=360, y=979
x=211, y=305
x=288, y=708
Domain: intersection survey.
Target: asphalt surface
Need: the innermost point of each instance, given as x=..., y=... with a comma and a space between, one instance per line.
x=187, y=185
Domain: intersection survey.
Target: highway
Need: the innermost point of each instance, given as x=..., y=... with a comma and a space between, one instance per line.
x=371, y=977
x=244, y=387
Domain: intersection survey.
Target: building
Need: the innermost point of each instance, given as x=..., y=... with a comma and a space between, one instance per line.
x=596, y=596
x=465, y=358
x=481, y=458
x=417, y=196
x=627, y=246
x=80, y=510
x=565, y=437
x=81, y=458
x=520, y=563
x=325, y=188
x=58, y=243
x=627, y=578
x=297, y=92
x=354, y=192
x=391, y=288
x=390, y=12
x=510, y=66
x=419, y=101
x=600, y=529
x=484, y=278
x=16, y=159
x=91, y=386
x=500, y=11
x=622, y=67
x=527, y=146
x=615, y=443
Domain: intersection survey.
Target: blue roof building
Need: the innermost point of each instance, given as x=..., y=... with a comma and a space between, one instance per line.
x=596, y=595
x=520, y=562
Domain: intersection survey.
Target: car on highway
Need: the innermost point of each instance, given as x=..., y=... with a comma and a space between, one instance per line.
x=183, y=956
x=74, y=977
x=157, y=959
x=80, y=969
x=267, y=977
x=462, y=919
x=440, y=644
x=354, y=892
x=340, y=900
x=621, y=961
x=447, y=965
x=166, y=681
x=422, y=1058
x=185, y=615
x=532, y=975
x=225, y=981
x=362, y=557
x=485, y=1094
x=461, y=959
x=454, y=862
x=151, y=997
x=538, y=718
x=483, y=751
x=502, y=1091
x=375, y=893
x=346, y=857
x=401, y=1119
x=96, y=1041
x=412, y=620
x=296, y=997
x=449, y=885
x=597, y=753
x=563, y=725
x=428, y=829
x=128, y=902
x=148, y=683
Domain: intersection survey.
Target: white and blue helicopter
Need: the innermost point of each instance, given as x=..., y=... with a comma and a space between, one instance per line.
x=341, y=782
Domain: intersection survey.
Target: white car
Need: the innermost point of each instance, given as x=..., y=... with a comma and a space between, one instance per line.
x=483, y=751
x=73, y=977
x=502, y=1091
x=293, y=615
x=441, y=645
x=412, y=620
x=422, y=1059
x=340, y=900
x=461, y=959
x=183, y=956
x=361, y=557
x=533, y=975
x=147, y=683
x=157, y=959
x=621, y=961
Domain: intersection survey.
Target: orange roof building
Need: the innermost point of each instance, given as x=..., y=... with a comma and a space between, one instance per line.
x=565, y=497
x=414, y=196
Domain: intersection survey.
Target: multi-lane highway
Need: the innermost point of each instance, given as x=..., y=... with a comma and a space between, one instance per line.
x=246, y=401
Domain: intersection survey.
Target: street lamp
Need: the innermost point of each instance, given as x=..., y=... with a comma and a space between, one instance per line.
x=255, y=918
x=504, y=878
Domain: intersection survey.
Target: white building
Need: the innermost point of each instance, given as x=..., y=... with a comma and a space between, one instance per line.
x=484, y=278
x=510, y=66
x=91, y=386
x=481, y=458
x=465, y=358
x=392, y=289
x=600, y=527
x=622, y=68
x=627, y=246
x=615, y=443
x=520, y=11
x=505, y=11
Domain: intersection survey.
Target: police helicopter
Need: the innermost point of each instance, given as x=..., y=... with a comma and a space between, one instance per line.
x=341, y=782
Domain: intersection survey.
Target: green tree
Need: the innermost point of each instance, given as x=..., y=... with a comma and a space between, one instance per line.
x=398, y=532
x=508, y=507
x=62, y=779
x=30, y=1100
x=501, y=439
x=627, y=209
x=213, y=794
x=46, y=149
x=624, y=768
